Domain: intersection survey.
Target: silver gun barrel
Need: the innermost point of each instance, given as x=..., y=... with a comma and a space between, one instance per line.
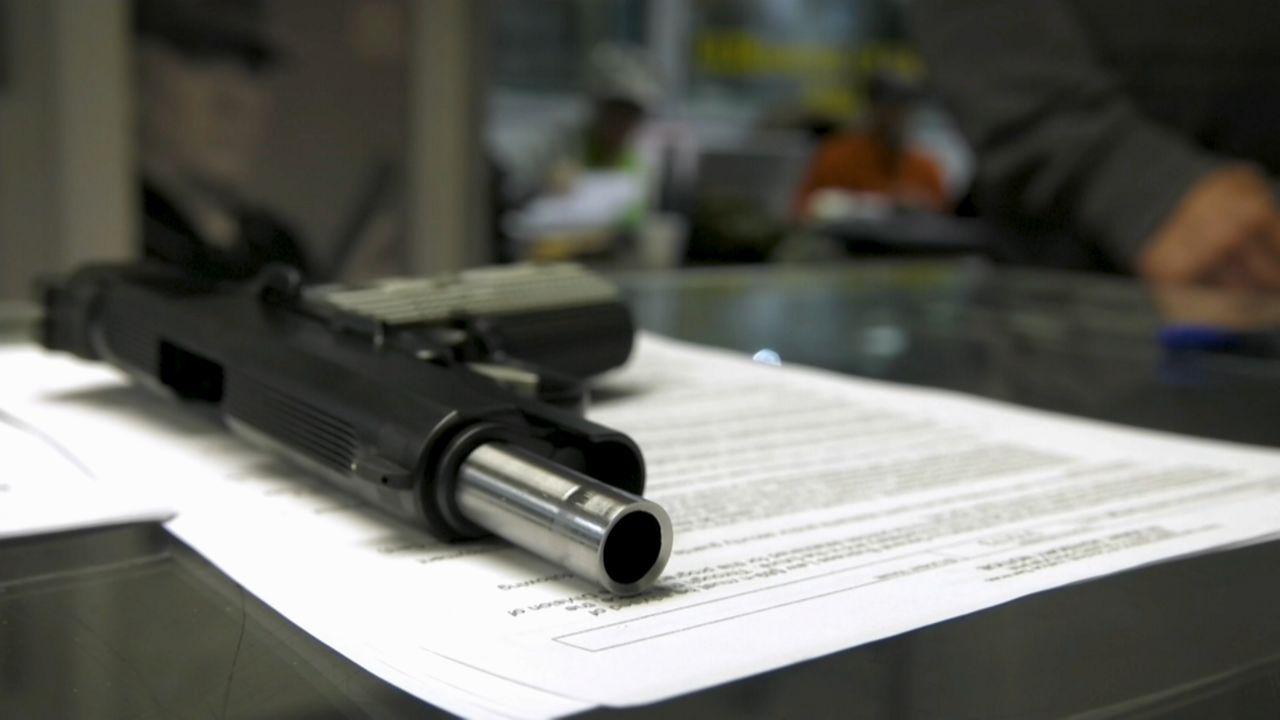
x=599, y=532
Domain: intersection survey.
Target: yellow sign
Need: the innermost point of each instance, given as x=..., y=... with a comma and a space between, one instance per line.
x=826, y=74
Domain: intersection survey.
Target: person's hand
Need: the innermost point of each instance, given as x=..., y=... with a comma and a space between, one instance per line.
x=1225, y=232
x=1197, y=306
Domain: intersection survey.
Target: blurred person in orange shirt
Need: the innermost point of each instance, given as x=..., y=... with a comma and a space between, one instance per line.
x=876, y=158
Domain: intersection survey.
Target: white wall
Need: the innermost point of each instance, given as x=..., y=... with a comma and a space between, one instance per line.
x=26, y=141
x=447, y=177
x=67, y=189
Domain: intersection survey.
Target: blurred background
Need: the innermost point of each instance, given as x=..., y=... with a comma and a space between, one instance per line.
x=809, y=139
x=390, y=137
x=358, y=138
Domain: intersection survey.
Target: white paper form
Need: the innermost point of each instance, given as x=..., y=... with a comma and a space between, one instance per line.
x=43, y=489
x=813, y=512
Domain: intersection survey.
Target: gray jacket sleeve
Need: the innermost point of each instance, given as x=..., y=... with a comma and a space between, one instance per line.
x=1058, y=142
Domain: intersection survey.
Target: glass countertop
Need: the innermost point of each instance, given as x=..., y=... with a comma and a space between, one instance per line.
x=128, y=622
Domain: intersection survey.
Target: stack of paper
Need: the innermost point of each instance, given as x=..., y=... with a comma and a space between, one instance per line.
x=45, y=490
x=813, y=512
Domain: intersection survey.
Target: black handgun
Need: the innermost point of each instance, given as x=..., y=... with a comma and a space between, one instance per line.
x=451, y=402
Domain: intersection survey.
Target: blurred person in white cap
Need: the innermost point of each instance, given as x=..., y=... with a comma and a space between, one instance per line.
x=622, y=90
x=591, y=179
x=203, y=106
